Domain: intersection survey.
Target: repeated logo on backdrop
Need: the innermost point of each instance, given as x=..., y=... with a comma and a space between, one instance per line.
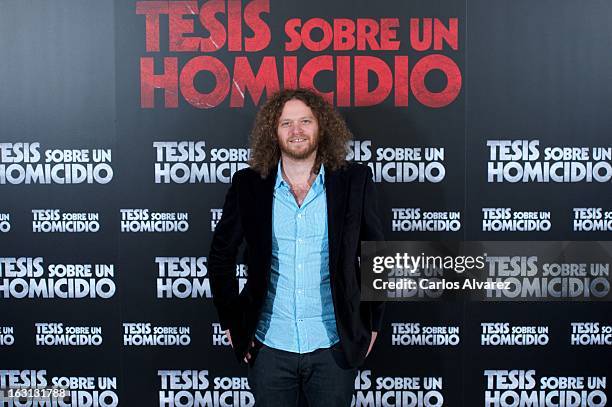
x=145, y=220
x=147, y=334
x=506, y=334
x=417, y=334
x=84, y=391
x=28, y=163
x=61, y=334
x=508, y=220
x=591, y=334
x=400, y=164
x=419, y=220
x=32, y=277
x=528, y=387
x=529, y=161
x=592, y=220
x=191, y=162
x=376, y=390
x=57, y=221
x=187, y=277
x=202, y=388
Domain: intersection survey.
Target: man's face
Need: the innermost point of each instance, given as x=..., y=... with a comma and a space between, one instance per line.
x=298, y=130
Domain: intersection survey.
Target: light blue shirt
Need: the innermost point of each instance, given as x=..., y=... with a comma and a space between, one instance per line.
x=298, y=313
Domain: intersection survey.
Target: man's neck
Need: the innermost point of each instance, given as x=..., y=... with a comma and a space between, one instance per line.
x=298, y=171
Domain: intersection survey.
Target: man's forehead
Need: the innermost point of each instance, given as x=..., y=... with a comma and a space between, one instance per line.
x=296, y=108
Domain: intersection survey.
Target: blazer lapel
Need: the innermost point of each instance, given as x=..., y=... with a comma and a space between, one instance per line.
x=335, y=191
x=264, y=214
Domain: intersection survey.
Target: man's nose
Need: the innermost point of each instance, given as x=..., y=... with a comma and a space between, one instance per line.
x=296, y=128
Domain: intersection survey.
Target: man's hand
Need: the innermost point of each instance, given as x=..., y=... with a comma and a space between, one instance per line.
x=374, y=335
x=229, y=337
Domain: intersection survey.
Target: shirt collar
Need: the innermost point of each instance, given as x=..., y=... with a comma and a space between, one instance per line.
x=319, y=180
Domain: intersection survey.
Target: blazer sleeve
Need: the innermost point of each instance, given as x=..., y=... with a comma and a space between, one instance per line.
x=371, y=230
x=222, y=258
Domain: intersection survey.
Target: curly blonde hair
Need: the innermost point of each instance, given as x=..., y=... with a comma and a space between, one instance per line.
x=334, y=135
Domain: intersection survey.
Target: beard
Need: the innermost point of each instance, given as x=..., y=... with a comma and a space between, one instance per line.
x=299, y=152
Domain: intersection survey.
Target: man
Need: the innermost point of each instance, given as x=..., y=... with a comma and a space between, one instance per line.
x=302, y=210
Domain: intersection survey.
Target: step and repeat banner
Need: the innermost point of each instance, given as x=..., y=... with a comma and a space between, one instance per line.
x=122, y=123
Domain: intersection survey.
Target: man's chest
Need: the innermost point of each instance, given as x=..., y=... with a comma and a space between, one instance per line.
x=299, y=225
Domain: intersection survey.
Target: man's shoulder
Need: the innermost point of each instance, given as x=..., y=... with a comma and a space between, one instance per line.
x=246, y=175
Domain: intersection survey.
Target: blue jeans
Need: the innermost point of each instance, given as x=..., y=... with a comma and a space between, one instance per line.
x=322, y=378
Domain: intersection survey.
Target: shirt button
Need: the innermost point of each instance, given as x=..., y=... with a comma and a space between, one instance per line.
x=300, y=241
x=300, y=291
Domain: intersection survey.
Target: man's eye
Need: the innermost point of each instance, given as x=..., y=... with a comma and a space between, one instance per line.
x=306, y=121
x=284, y=124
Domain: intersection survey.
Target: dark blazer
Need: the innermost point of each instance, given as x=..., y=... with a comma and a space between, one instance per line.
x=352, y=216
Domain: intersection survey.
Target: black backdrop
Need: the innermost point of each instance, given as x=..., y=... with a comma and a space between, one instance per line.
x=72, y=79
